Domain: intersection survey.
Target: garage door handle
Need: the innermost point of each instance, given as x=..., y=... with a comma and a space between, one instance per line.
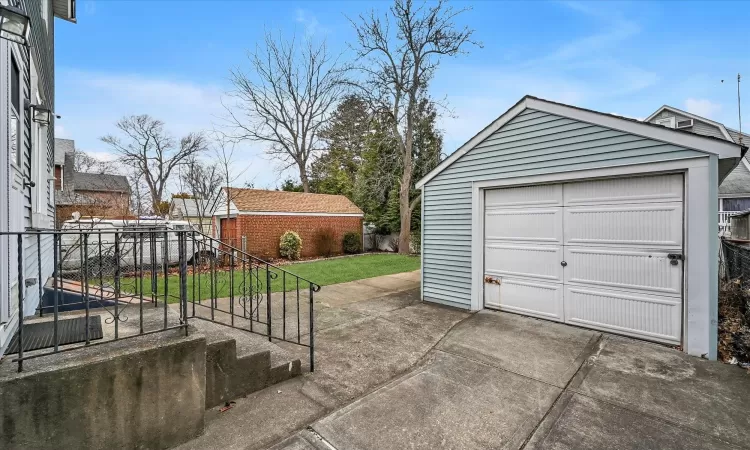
x=563, y=263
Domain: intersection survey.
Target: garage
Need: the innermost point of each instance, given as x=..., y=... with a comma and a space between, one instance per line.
x=594, y=254
x=581, y=217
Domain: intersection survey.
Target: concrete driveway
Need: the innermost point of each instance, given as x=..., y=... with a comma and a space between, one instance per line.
x=504, y=381
x=394, y=373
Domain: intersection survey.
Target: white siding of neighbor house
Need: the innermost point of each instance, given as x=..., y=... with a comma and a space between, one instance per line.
x=532, y=143
x=699, y=127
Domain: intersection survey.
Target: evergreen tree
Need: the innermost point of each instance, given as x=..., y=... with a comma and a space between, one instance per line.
x=346, y=136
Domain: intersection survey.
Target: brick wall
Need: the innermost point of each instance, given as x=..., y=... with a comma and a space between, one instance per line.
x=263, y=232
x=105, y=204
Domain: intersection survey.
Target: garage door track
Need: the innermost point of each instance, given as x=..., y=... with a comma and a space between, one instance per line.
x=499, y=380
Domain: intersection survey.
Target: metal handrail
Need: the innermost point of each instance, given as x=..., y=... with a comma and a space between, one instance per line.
x=140, y=254
x=260, y=261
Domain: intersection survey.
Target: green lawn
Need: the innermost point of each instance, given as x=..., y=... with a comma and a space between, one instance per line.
x=325, y=272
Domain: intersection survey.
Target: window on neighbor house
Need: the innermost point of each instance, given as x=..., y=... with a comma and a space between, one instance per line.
x=15, y=113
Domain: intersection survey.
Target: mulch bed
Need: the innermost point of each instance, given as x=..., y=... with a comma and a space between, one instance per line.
x=734, y=323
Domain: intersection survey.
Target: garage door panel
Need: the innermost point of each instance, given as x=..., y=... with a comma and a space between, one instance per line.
x=528, y=297
x=614, y=235
x=533, y=225
x=657, y=225
x=645, y=316
x=624, y=269
x=540, y=262
x=524, y=197
x=639, y=190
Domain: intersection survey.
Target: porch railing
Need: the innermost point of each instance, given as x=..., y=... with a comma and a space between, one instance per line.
x=163, y=277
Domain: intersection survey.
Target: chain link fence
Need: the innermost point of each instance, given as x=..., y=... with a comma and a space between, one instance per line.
x=736, y=262
x=734, y=304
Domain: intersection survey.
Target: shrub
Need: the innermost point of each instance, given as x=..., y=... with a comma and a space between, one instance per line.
x=290, y=245
x=352, y=242
x=325, y=242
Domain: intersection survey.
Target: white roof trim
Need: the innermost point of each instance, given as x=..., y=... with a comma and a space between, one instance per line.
x=718, y=125
x=688, y=140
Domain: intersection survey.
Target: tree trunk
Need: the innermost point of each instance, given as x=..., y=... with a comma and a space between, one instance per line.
x=303, y=178
x=404, y=236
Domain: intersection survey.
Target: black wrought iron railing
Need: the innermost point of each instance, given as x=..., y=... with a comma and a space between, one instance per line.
x=100, y=279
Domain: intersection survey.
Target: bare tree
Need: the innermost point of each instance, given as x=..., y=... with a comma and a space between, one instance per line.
x=153, y=154
x=285, y=99
x=83, y=162
x=203, y=184
x=398, y=64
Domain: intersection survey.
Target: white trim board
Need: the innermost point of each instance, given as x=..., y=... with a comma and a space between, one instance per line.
x=684, y=139
x=674, y=110
x=701, y=220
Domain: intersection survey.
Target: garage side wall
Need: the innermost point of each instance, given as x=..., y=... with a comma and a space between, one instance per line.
x=263, y=232
x=533, y=143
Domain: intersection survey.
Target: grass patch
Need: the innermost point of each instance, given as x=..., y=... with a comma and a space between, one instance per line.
x=331, y=271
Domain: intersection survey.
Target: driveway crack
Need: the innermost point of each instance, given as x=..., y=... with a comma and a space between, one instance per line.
x=558, y=406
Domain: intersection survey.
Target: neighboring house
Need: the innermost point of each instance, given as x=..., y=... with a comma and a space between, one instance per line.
x=581, y=217
x=734, y=192
x=90, y=194
x=263, y=216
x=197, y=211
x=27, y=151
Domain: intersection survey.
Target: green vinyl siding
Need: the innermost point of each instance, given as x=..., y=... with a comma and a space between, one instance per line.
x=532, y=143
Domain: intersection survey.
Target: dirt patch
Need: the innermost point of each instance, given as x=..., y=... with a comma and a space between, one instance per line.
x=734, y=323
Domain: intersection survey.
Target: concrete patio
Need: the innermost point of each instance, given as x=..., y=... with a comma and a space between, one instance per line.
x=395, y=373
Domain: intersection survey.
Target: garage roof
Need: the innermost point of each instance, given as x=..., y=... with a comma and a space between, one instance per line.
x=259, y=200
x=706, y=144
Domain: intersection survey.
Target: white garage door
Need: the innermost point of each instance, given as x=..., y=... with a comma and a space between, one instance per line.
x=591, y=253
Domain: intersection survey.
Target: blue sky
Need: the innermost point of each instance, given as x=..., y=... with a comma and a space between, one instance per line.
x=171, y=59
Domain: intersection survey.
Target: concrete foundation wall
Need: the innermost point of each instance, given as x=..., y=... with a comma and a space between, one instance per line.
x=145, y=392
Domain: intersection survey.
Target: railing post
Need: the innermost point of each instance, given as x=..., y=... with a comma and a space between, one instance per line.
x=182, y=248
x=312, y=330
x=56, y=248
x=117, y=281
x=87, y=298
x=39, y=272
x=268, y=300
x=139, y=250
x=166, y=277
x=20, y=301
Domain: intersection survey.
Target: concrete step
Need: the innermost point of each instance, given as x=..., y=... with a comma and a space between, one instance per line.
x=239, y=363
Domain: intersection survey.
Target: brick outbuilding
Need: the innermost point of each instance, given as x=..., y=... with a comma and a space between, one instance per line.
x=263, y=216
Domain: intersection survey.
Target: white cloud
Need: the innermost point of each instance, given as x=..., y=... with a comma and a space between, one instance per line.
x=583, y=71
x=92, y=102
x=309, y=21
x=702, y=107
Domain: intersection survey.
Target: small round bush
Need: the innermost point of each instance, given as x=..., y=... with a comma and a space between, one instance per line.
x=352, y=242
x=290, y=245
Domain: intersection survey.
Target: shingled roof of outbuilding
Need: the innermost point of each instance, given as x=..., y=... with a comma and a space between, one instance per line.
x=259, y=200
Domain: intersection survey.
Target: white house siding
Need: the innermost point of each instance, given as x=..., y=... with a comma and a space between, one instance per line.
x=532, y=143
x=42, y=52
x=699, y=127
